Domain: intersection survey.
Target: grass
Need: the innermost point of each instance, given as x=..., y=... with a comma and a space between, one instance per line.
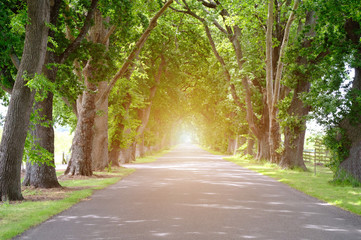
x=16, y=217
x=153, y=157
x=212, y=151
x=318, y=186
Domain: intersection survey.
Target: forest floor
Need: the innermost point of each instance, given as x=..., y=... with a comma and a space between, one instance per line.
x=192, y=194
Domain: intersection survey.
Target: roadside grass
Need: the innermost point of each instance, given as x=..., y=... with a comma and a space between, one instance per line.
x=212, y=151
x=318, y=186
x=41, y=204
x=152, y=156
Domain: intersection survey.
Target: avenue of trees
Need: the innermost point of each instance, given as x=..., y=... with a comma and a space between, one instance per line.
x=127, y=75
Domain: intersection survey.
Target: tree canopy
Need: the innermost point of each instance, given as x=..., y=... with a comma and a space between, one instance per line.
x=129, y=76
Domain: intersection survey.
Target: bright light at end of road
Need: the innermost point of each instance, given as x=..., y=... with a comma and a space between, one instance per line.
x=186, y=137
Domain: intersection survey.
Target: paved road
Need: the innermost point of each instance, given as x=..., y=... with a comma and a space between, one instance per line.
x=191, y=194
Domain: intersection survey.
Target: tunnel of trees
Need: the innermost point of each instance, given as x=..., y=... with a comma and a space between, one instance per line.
x=127, y=76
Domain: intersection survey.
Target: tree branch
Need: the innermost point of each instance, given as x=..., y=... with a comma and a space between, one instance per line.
x=110, y=32
x=210, y=4
x=75, y=44
x=280, y=64
x=15, y=60
x=134, y=53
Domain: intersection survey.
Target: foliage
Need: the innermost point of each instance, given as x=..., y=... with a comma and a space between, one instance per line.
x=35, y=154
x=337, y=141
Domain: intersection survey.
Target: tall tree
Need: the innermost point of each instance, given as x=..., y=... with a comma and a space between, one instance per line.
x=18, y=116
x=43, y=174
x=80, y=163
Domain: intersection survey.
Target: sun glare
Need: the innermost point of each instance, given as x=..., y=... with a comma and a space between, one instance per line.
x=186, y=137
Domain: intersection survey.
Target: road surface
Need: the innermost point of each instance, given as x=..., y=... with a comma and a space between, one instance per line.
x=191, y=194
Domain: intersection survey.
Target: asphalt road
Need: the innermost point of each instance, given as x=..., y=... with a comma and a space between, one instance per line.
x=191, y=194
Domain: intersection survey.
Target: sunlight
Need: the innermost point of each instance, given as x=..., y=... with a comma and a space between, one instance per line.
x=186, y=137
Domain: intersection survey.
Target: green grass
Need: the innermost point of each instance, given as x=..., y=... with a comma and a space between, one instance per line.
x=212, y=151
x=17, y=217
x=153, y=157
x=318, y=186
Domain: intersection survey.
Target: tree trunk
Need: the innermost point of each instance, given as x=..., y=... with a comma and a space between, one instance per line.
x=352, y=164
x=80, y=162
x=115, y=153
x=100, y=140
x=143, y=114
x=128, y=154
x=293, y=154
x=263, y=149
x=164, y=142
x=19, y=110
x=114, y=156
x=250, y=144
x=42, y=175
x=133, y=151
x=231, y=145
x=295, y=138
x=141, y=147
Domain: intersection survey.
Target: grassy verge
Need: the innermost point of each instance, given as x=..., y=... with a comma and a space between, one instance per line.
x=318, y=186
x=152, y=157
x=212, y=151
x=41, y=204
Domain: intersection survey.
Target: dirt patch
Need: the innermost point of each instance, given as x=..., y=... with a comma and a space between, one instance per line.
x=47, y=194
x=79, y=177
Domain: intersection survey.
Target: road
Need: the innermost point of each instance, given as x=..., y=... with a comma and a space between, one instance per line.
x=191, y=194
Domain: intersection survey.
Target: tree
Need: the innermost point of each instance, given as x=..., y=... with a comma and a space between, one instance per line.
x=80, y=163
x=338, y=31
x=18, y=116
x=43, y=174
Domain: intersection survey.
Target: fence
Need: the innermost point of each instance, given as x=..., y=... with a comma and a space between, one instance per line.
x=319, y=156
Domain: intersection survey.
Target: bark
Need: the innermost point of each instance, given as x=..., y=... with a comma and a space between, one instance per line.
x=250, y=145
x=114, y=156
x=91, y=136
x=80, y=162
x=231, y=145
x=43, y=175
x=269, y=67
x=133, y=152
x=263, y=149
x=100, y=140
x=273, y=81
x=19, y=110
x=164, y=142
x=99, y=148
x=295, y=138
x=128, y=154
x=274, y=128
x=352, y=164
x=141, y=147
